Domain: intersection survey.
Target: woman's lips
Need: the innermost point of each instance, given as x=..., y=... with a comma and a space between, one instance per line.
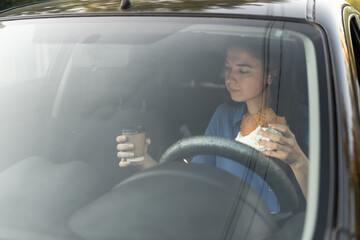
x=233, y=90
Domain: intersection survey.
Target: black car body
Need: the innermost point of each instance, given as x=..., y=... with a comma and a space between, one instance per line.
x=328, y=32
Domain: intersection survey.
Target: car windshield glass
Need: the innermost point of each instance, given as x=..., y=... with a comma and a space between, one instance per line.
x=236, y=93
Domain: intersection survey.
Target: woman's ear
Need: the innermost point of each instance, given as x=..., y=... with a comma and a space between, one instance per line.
x=272, y=76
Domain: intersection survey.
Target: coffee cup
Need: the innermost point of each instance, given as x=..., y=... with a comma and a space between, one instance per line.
x=136, y=136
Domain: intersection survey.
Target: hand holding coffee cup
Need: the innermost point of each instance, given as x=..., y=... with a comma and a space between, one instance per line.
x=132, y=148
x=135, y=138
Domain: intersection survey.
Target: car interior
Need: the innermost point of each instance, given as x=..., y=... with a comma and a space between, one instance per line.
x=66, y=122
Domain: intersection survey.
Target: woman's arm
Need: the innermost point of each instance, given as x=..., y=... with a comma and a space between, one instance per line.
x=286, y=148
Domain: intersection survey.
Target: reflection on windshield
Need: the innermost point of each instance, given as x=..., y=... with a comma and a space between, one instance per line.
x=114, y=6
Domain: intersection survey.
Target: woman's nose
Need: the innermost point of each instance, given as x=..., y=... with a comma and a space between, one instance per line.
x=230, y=76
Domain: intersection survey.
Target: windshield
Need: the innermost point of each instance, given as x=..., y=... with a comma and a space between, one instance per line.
x=90, y=105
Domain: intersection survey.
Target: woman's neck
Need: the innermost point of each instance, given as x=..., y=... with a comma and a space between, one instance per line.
x=256, y=104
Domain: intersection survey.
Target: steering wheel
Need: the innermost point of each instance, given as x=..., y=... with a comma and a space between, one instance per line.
x=193, y=201
x=280, y=180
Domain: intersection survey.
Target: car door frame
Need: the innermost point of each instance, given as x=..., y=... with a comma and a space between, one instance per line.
x=351, y=20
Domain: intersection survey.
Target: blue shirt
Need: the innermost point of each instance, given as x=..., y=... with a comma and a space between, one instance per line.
x=226, y=123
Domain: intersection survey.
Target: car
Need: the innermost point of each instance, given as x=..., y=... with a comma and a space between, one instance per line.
x=247, y=113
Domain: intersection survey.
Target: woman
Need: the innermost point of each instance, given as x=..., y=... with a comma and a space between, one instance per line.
x=248, y=80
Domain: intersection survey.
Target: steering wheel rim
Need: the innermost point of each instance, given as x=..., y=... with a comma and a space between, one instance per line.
x=274, y=169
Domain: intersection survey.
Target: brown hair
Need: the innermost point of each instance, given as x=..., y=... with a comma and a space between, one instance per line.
x=269, y=56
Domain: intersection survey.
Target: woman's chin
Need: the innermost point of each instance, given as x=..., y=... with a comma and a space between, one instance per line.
x=237, y=99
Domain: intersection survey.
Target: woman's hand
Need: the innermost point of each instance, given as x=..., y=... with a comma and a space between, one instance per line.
x=124, y=152
x=286, y=148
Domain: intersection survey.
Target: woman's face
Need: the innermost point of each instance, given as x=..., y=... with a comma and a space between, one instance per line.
x=243, y=75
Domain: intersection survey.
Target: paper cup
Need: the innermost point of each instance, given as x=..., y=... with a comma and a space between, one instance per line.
x=136, y=136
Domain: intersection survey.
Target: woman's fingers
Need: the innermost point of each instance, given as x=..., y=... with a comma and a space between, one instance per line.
x=122, y=146
x=121, y=139
x=277, y=154
x=124, y=163
x=282, y=147
x=273, y=145
x=275, y=137
x=125, y=146
x=281, y=128
x=125, y=150
x=274, y=141
x=125, y=154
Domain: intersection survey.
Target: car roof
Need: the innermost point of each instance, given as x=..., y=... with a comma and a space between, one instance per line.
x=299, y=9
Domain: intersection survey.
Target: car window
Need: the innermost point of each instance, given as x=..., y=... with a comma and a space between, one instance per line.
x=355, y=38
x=81, y=81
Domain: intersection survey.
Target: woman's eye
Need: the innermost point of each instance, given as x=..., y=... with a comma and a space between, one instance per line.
x=240, y=71
x=243, y=71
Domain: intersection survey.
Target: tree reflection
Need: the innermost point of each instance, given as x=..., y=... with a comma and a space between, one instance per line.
x=114, y=5
x=4, y=4
x=355, y=4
